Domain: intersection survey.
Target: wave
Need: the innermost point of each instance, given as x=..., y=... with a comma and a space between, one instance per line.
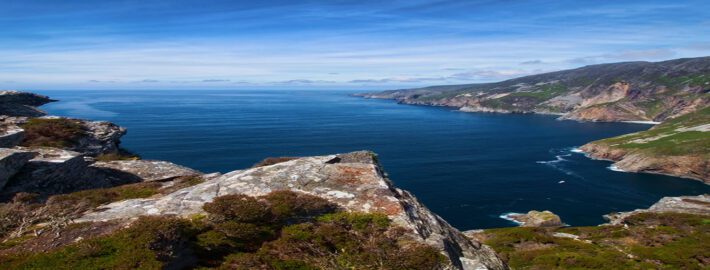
x=507, y=217
x=614, y=168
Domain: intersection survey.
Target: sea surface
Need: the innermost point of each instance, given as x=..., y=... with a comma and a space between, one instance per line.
x=470, y=168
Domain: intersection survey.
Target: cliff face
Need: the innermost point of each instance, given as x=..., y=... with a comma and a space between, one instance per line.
x=678, y=147
x=632, y=91
x=15, y=103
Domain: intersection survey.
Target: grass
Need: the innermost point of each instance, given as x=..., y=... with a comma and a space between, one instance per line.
x=59, y=132
x=651, y=241
x=665, y=139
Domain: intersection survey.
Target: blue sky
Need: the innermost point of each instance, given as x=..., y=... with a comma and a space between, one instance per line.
x=184, y=44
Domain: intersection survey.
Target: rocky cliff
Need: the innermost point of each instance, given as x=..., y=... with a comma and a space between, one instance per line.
x=678, y=147
x=630, y=91
x=56, y=197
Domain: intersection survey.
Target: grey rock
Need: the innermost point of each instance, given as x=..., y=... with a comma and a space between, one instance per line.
x=11, y=160
x=11, y=136
x=51, y=171
x=148, y=170
x=355, y=181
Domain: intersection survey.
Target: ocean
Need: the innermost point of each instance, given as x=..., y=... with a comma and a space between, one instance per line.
x=470, y=168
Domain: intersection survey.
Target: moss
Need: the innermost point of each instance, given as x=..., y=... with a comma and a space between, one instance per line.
x=59, y=132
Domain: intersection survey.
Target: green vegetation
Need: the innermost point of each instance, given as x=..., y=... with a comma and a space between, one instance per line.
x=281, y=230
x=670, y=137
x=59, y=132
x=676, y=83
x=651, y=241
x=121, y=155
x=546, y=92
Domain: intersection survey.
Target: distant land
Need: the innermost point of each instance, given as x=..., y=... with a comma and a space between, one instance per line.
x=675, y=92
x=627, y=91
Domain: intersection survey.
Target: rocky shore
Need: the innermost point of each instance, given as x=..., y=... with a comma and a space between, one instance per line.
x=617, y=92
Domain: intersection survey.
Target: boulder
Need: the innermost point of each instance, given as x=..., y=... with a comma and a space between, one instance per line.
x=537, y=219
x=11, y=160
x=354, y=181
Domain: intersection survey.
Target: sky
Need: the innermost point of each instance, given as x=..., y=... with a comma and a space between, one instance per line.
x=362, y=44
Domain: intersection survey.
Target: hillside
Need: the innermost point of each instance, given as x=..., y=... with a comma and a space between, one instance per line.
x=679, y=147
x=629, y=91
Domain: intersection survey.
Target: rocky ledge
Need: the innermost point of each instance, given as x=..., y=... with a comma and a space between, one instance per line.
x=354, y=181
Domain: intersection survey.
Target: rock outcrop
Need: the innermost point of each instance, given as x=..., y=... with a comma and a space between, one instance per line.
x=101, y=137
x=629, y=91
x=11, y=161
x=146, y=170
x=50, y=171
x=15, y=103
x=698, y=205
x=354, y=181
x=537, y=219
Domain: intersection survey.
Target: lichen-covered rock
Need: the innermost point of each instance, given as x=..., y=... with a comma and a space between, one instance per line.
x=537, y=219
x=699, y=205
x=15, y=103
x=147, y=170
x=11, y=160
x=354, y=181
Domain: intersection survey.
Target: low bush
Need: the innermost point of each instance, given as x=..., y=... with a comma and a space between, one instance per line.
x=53, y=132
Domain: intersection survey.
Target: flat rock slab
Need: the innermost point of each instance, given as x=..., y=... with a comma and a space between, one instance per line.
x=354, y=181
x=11, y=161
x=148, y=170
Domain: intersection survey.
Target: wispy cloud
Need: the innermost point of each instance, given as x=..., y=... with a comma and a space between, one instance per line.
x=75, y=44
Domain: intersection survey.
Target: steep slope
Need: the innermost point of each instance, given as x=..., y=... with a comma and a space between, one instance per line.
x=679, y=147
x=630, y=91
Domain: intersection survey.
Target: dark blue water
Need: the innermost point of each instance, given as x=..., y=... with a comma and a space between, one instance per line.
x=467, y=167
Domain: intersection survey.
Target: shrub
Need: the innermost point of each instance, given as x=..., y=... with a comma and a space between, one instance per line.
x=286, y=205
x=239, y=208
x=81, y=201
x=272, y=160
x=150, y=243
x=59, y=132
